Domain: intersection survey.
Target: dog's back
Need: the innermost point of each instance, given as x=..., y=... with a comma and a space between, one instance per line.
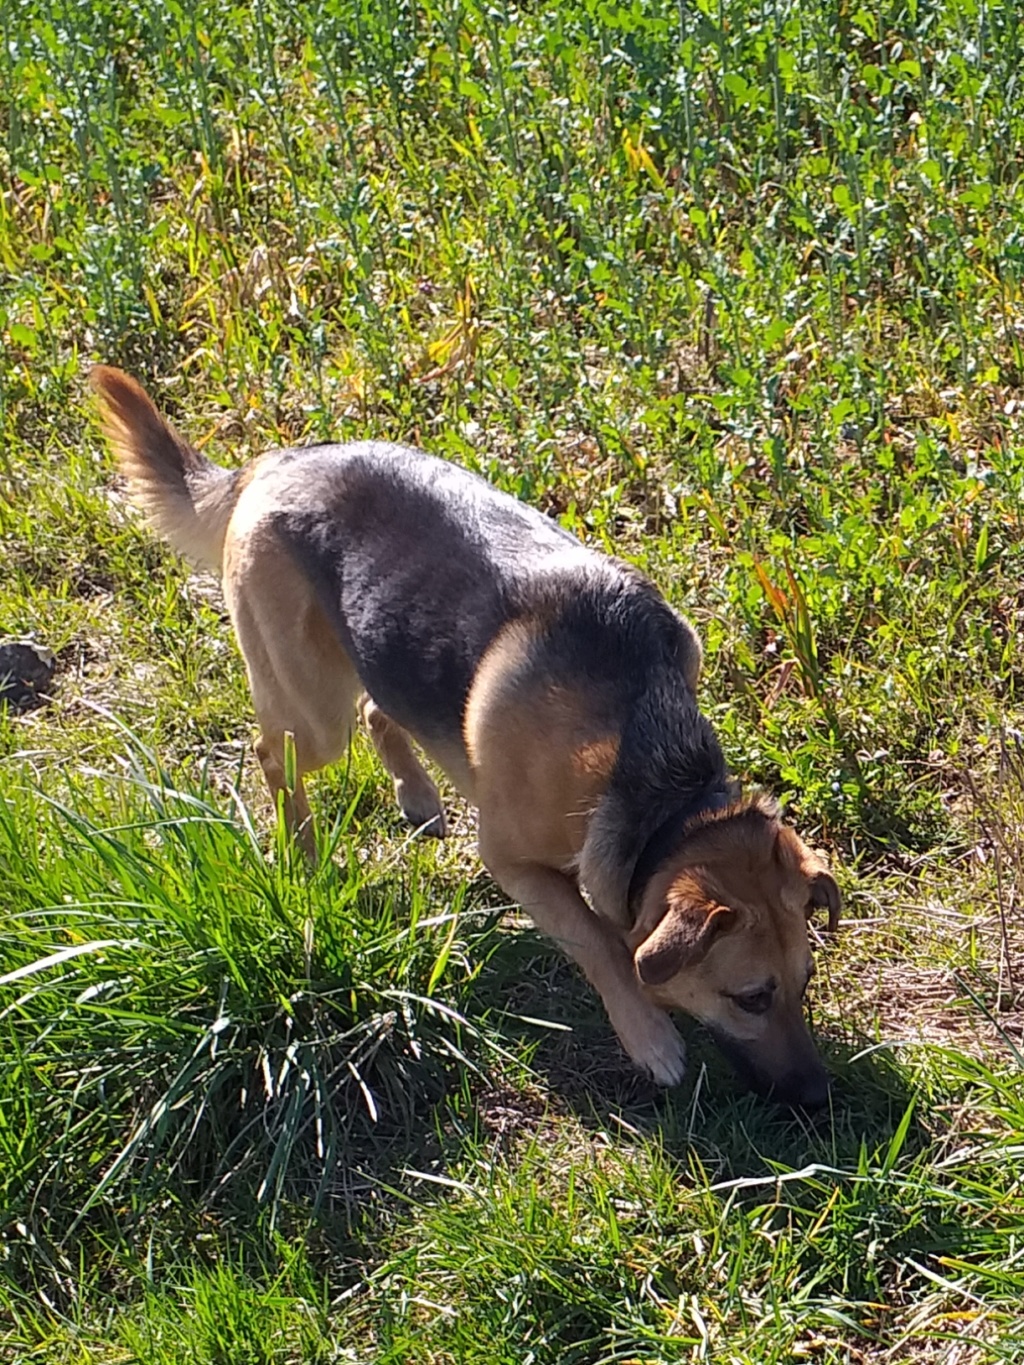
x=417, y=563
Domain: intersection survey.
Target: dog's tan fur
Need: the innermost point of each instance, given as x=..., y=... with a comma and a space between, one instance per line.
x=725, y=913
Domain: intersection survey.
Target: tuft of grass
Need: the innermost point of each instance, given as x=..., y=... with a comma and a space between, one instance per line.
x=605, y=1247
x=183, y=1006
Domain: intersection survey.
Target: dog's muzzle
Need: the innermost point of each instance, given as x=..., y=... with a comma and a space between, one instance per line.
x=805, y=1087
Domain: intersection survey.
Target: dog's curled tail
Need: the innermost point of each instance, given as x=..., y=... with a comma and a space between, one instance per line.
x=187, y=498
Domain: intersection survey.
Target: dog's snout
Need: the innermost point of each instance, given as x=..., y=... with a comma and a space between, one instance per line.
x=804, y=1084
x=804, y=1090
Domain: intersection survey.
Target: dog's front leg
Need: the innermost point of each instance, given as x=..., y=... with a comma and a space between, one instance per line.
x=556, y=907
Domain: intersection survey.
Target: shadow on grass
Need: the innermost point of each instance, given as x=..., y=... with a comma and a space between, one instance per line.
x=734, y=1133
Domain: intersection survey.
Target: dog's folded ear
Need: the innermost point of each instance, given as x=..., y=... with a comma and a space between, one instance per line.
x=681, y=937
x=793, y=855
x=824, y=895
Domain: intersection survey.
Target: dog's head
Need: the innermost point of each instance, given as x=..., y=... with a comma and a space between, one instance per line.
x=722, y=933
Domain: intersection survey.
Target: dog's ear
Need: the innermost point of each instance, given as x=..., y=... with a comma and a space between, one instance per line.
x=824, y=895
x=793, y=855
x=682, y=936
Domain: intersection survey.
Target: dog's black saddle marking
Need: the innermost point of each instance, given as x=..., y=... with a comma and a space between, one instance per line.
x=419, y=563
x=713, y=796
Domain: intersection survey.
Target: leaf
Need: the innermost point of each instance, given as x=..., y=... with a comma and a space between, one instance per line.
x=437, y=970
x=55, y=959
x=737, y=87
x=23, y=336
x=775, y=595
x=898, y=1139
x=981, y=549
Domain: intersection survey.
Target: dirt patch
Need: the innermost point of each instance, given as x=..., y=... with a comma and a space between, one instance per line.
x=929, y=973
x=935, y=1005
x=508, y=1113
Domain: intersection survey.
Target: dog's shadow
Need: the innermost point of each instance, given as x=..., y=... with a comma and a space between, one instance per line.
x=543, y=1012
x=552, y=1015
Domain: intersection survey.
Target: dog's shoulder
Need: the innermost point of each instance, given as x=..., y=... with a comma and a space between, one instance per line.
x=604, y=619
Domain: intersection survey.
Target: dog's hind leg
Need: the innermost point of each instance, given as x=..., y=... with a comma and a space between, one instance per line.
x=270, y=750
x=303, y=683
x=320, y=727
x=418, y=797
x=320, y=733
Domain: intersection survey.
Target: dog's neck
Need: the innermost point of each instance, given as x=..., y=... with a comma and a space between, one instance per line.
x=670, y=767
x=625, y=847
x=715, y=795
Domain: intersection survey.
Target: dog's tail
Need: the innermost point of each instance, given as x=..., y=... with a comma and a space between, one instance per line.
x=187, y=498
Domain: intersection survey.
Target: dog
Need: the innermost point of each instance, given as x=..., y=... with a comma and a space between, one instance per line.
x=555, y=687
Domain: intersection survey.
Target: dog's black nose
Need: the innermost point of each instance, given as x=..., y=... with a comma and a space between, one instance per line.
x=804, y=1091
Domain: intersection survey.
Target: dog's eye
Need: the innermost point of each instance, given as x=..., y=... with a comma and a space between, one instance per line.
x=754, y=1002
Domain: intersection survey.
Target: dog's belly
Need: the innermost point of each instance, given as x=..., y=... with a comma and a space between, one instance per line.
x=417, y=562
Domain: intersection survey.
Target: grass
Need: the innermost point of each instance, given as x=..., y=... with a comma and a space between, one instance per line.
x=735, y=291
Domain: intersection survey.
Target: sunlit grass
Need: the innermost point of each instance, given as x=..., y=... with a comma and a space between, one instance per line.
x=736, y=292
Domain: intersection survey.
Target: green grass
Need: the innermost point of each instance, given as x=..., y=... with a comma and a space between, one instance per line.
x=736, y=291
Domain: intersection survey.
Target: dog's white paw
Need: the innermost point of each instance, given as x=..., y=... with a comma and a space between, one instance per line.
x=654, y=1044
x=421, y=806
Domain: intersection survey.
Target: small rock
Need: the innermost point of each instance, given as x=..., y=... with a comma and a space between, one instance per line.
x=26, y=671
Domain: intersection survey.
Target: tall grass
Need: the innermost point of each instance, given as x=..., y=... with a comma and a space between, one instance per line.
x=185, y=1009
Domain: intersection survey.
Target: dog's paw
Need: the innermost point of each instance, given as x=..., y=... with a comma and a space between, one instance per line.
x=421, y=806
x=654, y=1044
